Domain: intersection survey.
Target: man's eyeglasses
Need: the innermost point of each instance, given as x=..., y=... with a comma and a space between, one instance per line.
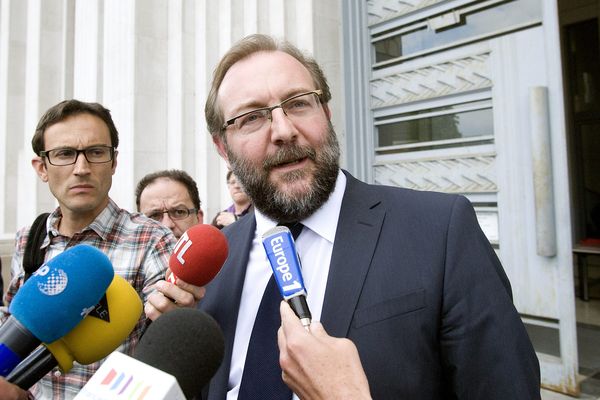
x=67, y=155
x=296, y=108
x=174, y=213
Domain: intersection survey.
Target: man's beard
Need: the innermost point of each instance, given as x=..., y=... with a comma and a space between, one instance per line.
x=290, y=207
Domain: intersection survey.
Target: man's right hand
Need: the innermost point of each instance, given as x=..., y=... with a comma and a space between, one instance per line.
x=317, y=366
x=169, y=296
x=225, y=218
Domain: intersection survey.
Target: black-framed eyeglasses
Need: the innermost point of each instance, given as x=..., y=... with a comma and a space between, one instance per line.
x=174, y=213
x=298, y=107
x=67, y=155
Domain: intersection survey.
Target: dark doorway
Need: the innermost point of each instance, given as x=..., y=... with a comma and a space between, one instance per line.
x=582, y=48
x=581, y=64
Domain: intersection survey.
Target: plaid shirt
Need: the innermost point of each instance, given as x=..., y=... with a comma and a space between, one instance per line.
x=139, y=249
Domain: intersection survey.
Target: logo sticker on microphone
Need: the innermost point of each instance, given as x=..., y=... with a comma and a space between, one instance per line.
x=281, y=252
x=183, y=244
x=55, y=283
x=100, y=310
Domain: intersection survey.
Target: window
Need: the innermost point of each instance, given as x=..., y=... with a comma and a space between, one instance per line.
x=449, y=126
x=466, y=23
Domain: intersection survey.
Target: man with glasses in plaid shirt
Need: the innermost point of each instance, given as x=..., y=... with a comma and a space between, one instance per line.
x=75, y=145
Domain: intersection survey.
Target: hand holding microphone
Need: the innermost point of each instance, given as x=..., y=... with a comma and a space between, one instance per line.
x=283, y=257
x=198, y=257
x=8, y=391
x=319, y=366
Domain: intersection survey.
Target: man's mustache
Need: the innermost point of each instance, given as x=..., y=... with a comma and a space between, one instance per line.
x=288, y=155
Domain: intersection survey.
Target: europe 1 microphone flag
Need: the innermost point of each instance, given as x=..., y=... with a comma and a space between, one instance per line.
x=283, y=257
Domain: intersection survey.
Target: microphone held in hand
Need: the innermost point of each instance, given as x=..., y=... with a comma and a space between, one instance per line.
x=176, y=357
x=53, y=301
x=101, y=332
x=283, y=257
x=186, y=343
x=199, y=255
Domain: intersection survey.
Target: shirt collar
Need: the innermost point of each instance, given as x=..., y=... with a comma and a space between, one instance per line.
x=104, y=222
x=101, y=225
x=323, y=221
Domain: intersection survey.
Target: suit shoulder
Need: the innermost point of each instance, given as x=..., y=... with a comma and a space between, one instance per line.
x=402, y=197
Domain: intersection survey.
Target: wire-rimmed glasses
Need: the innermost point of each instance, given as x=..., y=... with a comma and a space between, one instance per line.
x=298, y=107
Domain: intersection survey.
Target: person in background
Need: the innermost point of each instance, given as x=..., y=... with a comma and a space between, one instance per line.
x=240, y=207
x=76, y=144
x=410, y=298
x=171, y=198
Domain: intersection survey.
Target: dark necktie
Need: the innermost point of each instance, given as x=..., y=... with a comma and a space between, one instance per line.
x=261, y=379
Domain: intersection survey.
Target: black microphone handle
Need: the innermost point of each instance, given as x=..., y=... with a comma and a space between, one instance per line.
x=300, y=307
x=17, y=338
x=33, y=368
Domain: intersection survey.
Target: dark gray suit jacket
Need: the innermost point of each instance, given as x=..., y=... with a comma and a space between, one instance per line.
x=415, y=284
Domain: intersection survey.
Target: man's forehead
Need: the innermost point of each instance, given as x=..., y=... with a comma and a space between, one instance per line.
x=79, y=127
x=165, y=189
x=261, y=76
x=80, y=118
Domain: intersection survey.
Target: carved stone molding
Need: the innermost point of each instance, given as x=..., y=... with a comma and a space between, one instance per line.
x=456, y=76
x=468, y=174
x=383, y=10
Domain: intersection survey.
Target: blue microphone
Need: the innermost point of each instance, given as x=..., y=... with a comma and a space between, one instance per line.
x=283, y=257
x=53, y=301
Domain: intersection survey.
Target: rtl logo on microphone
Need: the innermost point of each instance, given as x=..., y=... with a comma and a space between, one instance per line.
x=183, y=244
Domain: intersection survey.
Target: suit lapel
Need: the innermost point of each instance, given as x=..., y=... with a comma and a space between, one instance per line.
x=359, y=226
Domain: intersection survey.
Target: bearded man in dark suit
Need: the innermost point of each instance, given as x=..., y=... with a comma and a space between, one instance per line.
x=411, y=298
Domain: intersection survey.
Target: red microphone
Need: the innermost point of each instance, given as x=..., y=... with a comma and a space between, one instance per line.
x=199, y=255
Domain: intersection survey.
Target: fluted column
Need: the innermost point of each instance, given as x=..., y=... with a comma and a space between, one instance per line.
x=151, y=64
x=313, y=26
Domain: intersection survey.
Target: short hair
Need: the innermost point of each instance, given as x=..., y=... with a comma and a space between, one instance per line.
x=174, y=175
x=69, y=108
x=244, y=48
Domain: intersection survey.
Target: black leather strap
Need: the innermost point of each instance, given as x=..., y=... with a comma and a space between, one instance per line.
x=34, y=255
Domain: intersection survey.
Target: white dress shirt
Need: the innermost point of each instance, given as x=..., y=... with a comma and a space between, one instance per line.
x=314, y=247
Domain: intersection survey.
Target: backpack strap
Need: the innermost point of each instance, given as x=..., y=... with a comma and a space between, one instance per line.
x=33, y=257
